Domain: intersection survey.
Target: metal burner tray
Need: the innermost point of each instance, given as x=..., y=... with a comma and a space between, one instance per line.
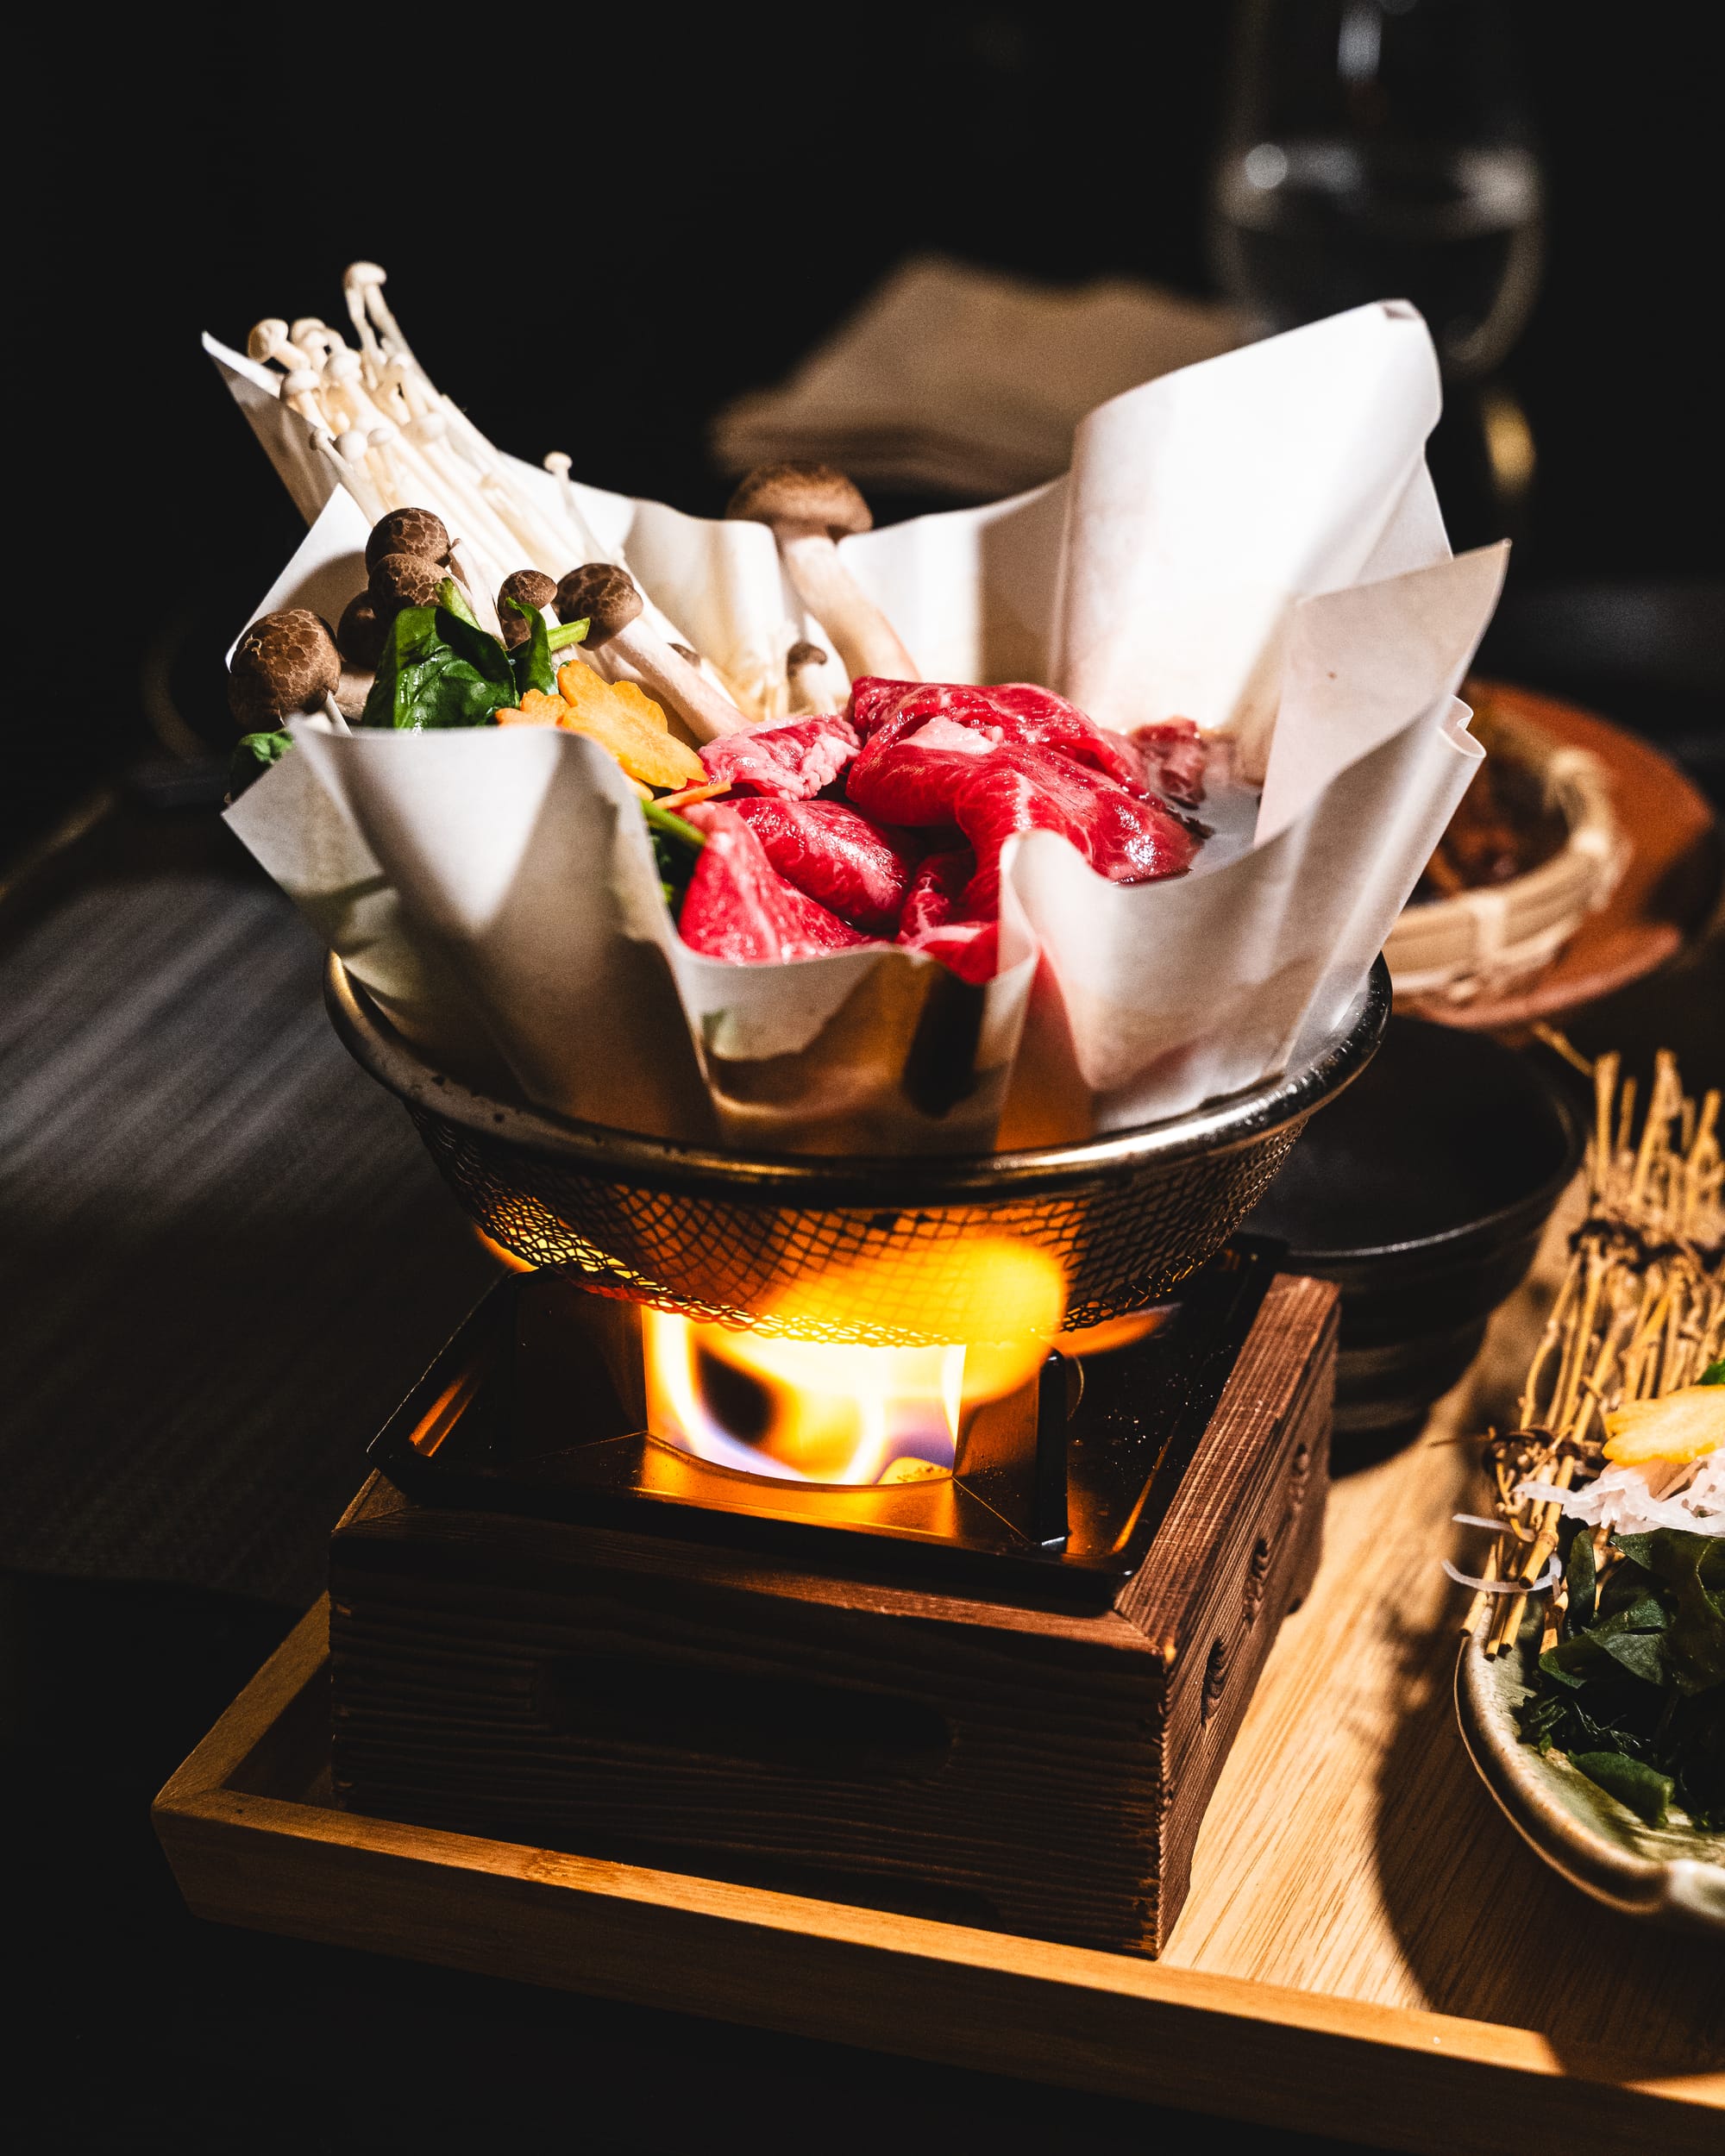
x=519, y=1415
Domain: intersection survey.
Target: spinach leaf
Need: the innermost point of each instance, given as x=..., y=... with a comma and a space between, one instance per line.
x=438, y=670
x=453, y=600
x=253, y=753
x=1714, y=1373
x=676, y=848
x=531, y=661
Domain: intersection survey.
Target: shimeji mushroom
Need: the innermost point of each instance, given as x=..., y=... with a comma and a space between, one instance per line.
x=300, y=393
x=810, y=507
x=359, y=635
x=404, y=580
x=606, y=598
x=532, y=590
x=269, y=341
x=813, y=688
x=418, y=532
x=284, y=663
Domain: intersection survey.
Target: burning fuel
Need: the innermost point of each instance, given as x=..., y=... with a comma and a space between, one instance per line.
x=808, y=1410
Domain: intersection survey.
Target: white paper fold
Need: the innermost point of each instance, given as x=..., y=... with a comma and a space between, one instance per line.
x=1156, y=997
x=1200, y=506
x=523, y=866
x=1253, y=543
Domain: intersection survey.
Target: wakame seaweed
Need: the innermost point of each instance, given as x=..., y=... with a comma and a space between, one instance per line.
x=1634, y=1692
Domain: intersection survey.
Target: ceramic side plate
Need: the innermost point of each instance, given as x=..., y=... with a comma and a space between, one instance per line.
x=1673, y=1874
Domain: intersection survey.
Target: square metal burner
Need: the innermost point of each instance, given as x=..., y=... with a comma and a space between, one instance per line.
x=537, y=1409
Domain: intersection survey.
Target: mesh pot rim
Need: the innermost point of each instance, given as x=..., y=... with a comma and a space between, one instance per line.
x=913, y=1182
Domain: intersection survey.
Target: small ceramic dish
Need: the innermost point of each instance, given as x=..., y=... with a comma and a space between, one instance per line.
x=1422, y=1194
x=1674, y=1875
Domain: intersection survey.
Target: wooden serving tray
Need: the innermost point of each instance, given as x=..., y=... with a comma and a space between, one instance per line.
x=1368, y=1949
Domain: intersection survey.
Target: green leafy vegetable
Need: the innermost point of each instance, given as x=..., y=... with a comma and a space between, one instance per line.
x=531, y=660
x=1632, y=1782
x=1633, y=1692
x=253, y=755
x=676, y=848
x=672, y=826
x=1713, y=1374
x=438, y=669
x=1580, y=1578
x=453, y=600
x=570, y=632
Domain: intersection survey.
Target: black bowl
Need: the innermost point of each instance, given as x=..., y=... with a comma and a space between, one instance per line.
x=1422, y=1192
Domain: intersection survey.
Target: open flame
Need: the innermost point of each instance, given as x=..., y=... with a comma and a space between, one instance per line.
x=809, y=1410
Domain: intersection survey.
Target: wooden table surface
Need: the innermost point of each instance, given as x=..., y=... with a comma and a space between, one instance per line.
x=1368, y=1949
x=1351, y=1849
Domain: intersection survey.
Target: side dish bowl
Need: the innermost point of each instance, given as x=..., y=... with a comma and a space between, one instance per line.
x=1673, y=1874
x=1423, y=1198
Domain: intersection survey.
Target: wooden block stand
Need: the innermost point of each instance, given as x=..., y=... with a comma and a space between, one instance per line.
x=1043, y=1771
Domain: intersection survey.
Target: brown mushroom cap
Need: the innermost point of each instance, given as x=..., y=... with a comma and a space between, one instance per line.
x=286, y=662
x=403, y=579
x=359, y=634
x=408, y=531
x=799, y=497
x=804, y=654
x=603, y=596
x=531, y=587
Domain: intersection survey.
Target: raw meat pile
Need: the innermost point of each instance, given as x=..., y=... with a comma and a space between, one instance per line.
x=886, y=824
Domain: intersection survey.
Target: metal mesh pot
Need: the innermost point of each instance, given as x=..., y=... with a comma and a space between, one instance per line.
x=722, y=1236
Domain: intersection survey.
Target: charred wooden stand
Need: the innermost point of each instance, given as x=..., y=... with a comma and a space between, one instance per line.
x=1000, y=1697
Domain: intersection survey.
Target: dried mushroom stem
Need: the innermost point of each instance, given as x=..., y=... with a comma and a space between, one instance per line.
x=1639, y=1312
x=1482, y=1599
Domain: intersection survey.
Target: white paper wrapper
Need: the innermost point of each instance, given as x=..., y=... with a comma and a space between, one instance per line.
x=1253, y=543
x=524, y=867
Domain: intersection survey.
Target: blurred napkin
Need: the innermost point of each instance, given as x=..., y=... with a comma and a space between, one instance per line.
x=956, y=381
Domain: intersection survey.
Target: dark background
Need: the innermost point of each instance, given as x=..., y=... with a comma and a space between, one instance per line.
x=598, y=234
x=600, y=226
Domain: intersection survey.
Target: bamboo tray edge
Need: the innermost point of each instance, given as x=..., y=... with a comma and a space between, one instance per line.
x=249, y=1847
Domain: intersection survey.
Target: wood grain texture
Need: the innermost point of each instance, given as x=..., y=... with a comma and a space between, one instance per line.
x=281, y=1857
x=1037, y=1770
x=1366, y=1950
x=1436, y=1902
